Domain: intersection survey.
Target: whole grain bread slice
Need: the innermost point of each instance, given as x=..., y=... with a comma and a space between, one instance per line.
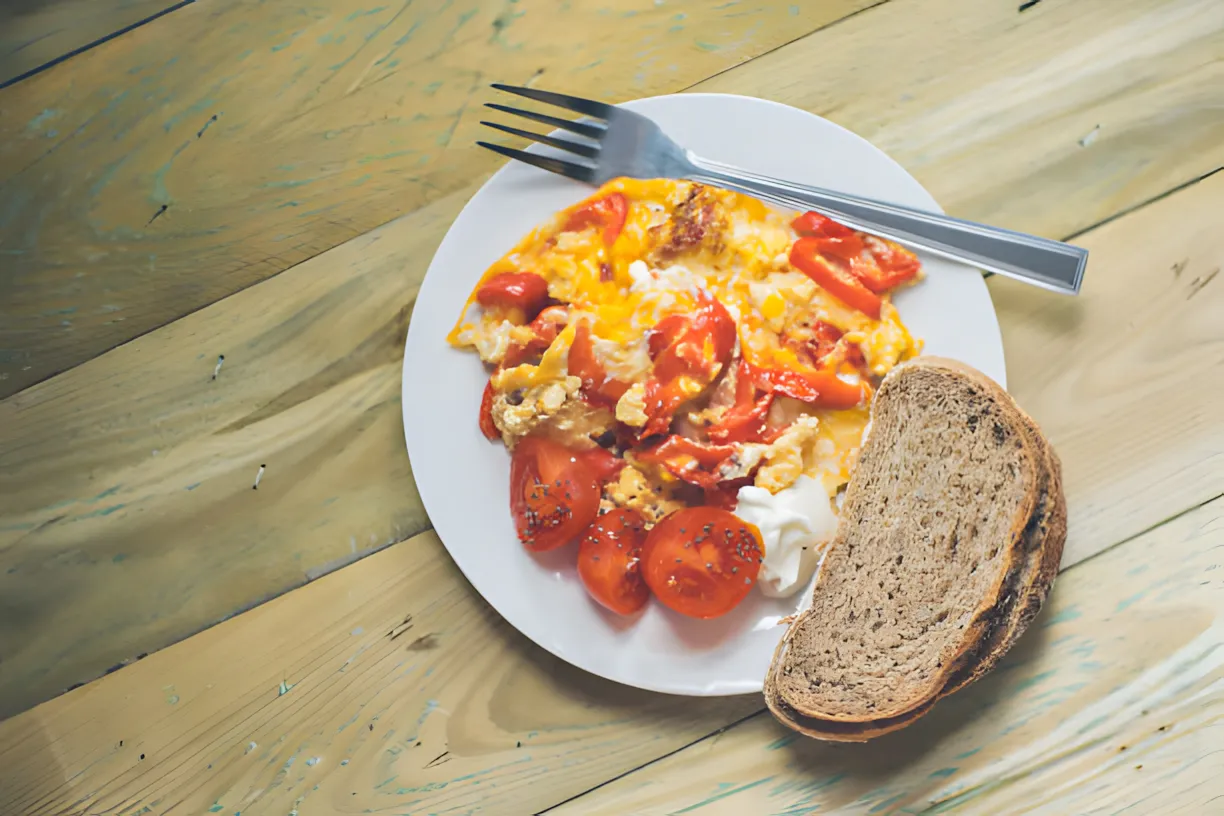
x=932, y=548
x=1042, y=548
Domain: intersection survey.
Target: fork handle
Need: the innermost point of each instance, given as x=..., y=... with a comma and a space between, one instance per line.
x=1055, y=265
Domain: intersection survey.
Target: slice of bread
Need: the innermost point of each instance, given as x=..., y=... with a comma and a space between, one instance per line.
x=950, y=536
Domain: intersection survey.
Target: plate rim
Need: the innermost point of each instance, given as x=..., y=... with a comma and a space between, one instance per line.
x=513, y=617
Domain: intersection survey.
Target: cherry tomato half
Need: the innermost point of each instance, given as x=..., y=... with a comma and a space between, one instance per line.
x=607, y=213
x=604, y=465
x=609, y=561
x=702, y=561
x=553, y=494
x=486, y=414
x=835, y=278
x=514, y=290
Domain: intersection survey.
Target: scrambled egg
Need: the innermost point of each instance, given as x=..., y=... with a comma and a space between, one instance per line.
x=678, y=241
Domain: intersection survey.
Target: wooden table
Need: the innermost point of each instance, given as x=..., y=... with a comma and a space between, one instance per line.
x=268, y=182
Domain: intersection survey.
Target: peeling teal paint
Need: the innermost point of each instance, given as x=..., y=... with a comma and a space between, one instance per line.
x=288, y=184
x=119, y=558
x=110, y=491
x=705, y=46
x=1069, y=614
x=943, y=773
x=1127, y=602
x=105, y=511
x=967, y=754
x=723, y=795
x=887, y=803
x=193, y=486
x=47, y=115
x=1029, y=682
x=780, y=743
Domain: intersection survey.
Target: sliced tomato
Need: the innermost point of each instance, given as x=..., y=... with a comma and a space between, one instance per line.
x=607, y=213
x=609, y=561
x=603, y=464
x=836, y=279
x=524, y=291
x=822, y=389
x=894, y=265
x=486, y=414
x=597, y=385
x=745, y=421
x=553, y=494
x=689, y=352
x=693, y=462
x=702, y=561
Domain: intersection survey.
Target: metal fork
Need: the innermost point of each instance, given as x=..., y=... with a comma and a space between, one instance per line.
x=623, y=143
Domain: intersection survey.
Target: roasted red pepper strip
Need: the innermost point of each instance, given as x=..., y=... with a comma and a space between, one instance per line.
x=690, y=461
x=524, y=291
x=822, y=389
x=547, y=325
x=608, y=213
x=746, y=420
x=597, y=386
x=689, y=352
x=814, y=224
x=894, y=265
x=836, y=278
x=486, y=414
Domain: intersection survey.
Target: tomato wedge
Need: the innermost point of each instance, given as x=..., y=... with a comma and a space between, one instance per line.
x=597, y=386
x=702, y=561
x=690, y=461
x=603, y=464
x=553, y=494
x=524, y=291
x=822, y=389
x=609, y=561
x=745, y=420
x=486, y=414
x=689, y=351
x=836, y=279
x=607, y=213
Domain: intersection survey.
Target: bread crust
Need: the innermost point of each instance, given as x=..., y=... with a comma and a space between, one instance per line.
x=1036, y=551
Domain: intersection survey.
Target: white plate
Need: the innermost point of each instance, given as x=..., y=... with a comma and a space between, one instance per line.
x=464, y=479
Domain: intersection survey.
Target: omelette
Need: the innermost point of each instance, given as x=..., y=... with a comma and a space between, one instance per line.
x=691, y=339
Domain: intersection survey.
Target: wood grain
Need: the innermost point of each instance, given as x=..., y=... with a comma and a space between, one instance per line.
x=223, y=679
x=1114, y=702
x=33, y=33
x=223, y=143
x=386, y=686
x=302, y=348
x=1047, y=121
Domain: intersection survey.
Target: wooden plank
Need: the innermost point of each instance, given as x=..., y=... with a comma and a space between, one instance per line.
x=225, y=142
x=67, y=444
x=1113, y=703
x=1047, y=120
x=383, y=686
x=205, y=700
x=34, y=33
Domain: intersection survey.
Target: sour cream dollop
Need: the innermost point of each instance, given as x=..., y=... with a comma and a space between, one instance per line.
x=795, y=524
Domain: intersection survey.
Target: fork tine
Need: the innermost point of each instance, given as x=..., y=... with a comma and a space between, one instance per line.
x=581, y=128
x=587, y=107
x=580, y=172
x=584, y=150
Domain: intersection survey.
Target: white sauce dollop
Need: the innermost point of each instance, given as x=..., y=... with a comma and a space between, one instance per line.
x=795, y=524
